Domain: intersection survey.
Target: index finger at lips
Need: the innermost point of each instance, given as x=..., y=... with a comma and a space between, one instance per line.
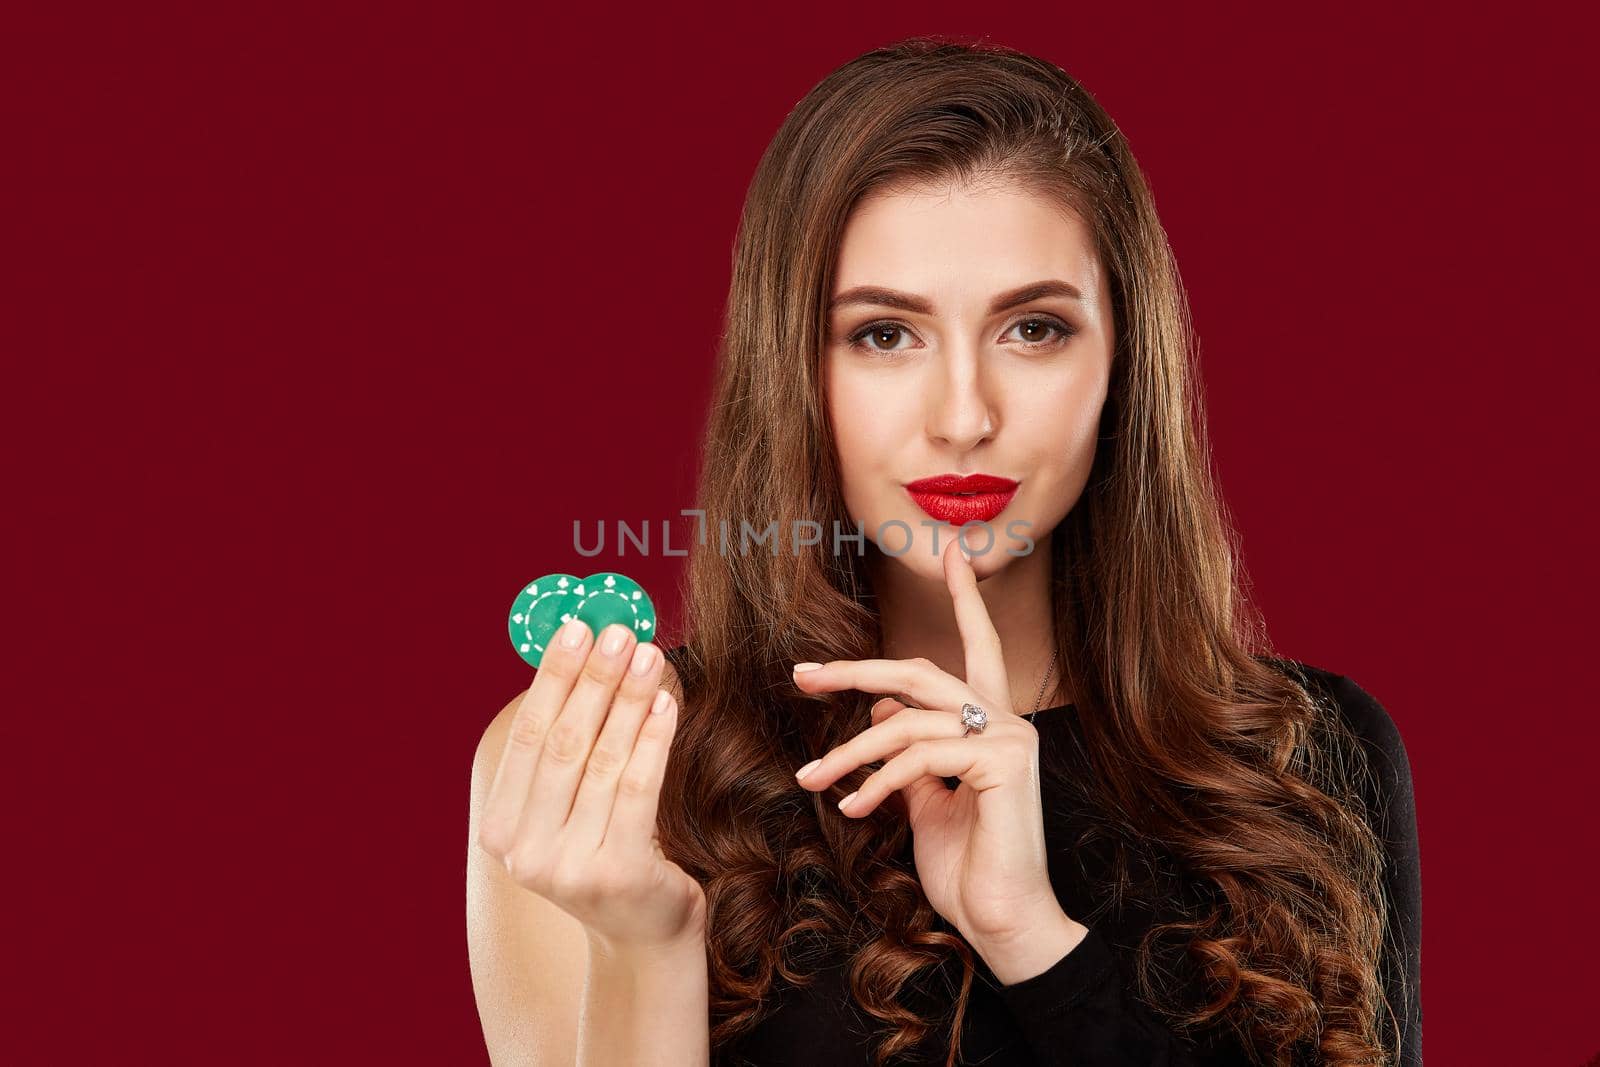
x=986, y=666
x=530, y=723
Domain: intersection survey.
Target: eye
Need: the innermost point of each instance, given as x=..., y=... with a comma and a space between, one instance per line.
x=876, y=331
x=1036, y=331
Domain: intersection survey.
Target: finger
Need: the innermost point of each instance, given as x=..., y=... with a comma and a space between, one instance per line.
x=597, y=790
x=885, y=708
x=967, y=758
x=917, y=795
x=633, y=817
x=894, y=734
x=914, y=796
x=986, y=666
x=919, y=681
x=572, y=735
x=530, y=724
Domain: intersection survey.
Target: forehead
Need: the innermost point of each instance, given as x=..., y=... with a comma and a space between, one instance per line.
x=944, y=238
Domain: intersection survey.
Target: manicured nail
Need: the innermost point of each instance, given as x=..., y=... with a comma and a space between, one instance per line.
x=572, y=633
x=644, y=657
x=663, y=698
x=846, y=801
x=964, y=553
x=807, y=769
x=806, y=666
x=616, y=637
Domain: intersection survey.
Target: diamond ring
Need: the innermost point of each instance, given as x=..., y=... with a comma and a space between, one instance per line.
x=974, y=718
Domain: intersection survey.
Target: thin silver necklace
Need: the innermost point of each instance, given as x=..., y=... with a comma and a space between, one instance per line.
x=1038, y=700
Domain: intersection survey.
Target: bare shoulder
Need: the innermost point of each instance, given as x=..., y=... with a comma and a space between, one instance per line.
x=528, y=958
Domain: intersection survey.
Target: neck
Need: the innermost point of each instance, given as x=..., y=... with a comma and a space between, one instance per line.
x=918, y=620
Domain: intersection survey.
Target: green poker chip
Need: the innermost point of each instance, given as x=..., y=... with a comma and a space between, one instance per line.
x=547, y=603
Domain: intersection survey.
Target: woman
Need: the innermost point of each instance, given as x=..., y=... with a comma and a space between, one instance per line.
x=952, y=306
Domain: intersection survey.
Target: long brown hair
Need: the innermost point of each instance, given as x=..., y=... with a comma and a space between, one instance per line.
x=1196, y=744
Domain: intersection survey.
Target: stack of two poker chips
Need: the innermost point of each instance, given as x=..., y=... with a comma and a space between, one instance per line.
x=546, y=604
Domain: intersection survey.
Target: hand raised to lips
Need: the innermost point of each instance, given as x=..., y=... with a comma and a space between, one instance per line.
x=979, y=849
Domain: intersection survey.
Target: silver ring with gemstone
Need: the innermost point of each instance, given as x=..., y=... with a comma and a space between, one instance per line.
x=974, y=718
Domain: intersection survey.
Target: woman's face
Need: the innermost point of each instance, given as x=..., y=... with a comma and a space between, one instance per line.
x=969, y=333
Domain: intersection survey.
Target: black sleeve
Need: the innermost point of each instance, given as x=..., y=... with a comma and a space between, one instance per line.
x=1081, y=1011
x=1078, y=1012
x=1393, y=806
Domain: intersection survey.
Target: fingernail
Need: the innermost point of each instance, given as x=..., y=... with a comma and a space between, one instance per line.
x=616, y=637
x=572, y=633
x=644, y=657
x=846, y=801
x=807, y=769
x=806, y=666
x=663, y=698
x=964, y=553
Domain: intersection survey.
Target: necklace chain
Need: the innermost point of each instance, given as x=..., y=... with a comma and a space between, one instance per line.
x=1038, y=700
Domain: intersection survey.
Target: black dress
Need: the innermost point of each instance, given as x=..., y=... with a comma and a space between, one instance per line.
x=1083, y=1010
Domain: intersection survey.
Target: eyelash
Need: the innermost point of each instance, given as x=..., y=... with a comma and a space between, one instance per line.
x=1064, y=333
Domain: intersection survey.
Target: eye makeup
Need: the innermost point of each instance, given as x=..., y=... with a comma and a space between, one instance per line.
x=1062, y=333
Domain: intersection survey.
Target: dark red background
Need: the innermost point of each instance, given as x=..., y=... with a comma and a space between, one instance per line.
x=326, y=322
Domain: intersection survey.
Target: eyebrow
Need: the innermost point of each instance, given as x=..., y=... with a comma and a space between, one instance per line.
x=877, y=296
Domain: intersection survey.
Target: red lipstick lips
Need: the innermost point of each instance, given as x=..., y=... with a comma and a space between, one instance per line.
x=959, y=500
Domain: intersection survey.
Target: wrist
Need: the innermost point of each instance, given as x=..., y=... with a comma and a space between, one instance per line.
x=645, y=1004
x=690, y=944
x=1037, y=948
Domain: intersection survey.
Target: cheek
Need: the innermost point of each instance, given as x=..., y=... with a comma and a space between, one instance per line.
x=864, y=416
x=1063, y=427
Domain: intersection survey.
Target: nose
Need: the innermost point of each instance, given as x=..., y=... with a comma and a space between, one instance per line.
x=961, y=410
